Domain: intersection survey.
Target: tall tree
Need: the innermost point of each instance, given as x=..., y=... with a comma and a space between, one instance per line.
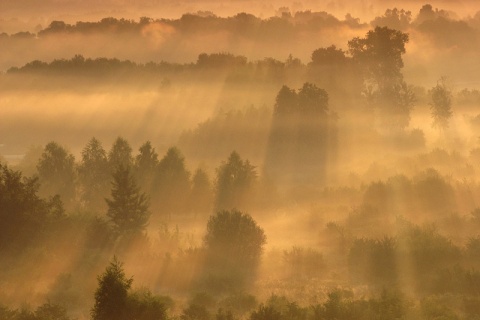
x=120, y=154
x=337, y=73
x=235, y=183
x=113, y=301
x=172, y=183
x=380, y=56
x=111, y=296
x=201, y=196
x=23, y=214
x=146, y=163
x=301, y=136
x=57, y=172
x=441, y=105
x=234, y=244
x=128, y=207
x=94, y=175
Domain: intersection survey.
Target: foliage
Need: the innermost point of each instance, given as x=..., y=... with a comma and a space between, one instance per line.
x=234, y=244
x=143, y=305
x=56, y=171
x=114, y=301
x=380, y=52
x=235, y=182
x=302, y=262
x=266, y=313
x=441, y=105
x=239, y=303
x=380, y=55
x=146, y=163
x=301, y=136
x=94, y=174
x=172, y=183
x=111, y=296
x=128, y=208
x=201, y=196
x=23, y=214
x=195, y=312
x=394, y=19
x=120, y=154
x=46, y=311
x=329, y=56
x=374, y=261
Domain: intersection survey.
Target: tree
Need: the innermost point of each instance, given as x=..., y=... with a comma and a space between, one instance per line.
x=441, y=105
x=113, y=301
x=285, y=102
x=332, y=70
x=120, y=154
x=236, y=179
x=49, y=311
x=146, y=163
x=111, y=296
x=172, y=183
x=312, y=101
x=394, y=105
x=234, y=244
x=328, y=56
x=201, y=196
x=300, y=137
x=380, y=53
x=93, y=174
x=394, y=18
x=380, y=56
x=128, y=208
x=57, y=172
x=23, y=214
x=143, y=305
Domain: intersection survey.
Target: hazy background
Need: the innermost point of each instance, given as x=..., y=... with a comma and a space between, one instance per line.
x=353, y=197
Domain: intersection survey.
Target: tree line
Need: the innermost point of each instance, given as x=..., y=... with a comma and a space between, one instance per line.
x=171, y=187
x=366, y=77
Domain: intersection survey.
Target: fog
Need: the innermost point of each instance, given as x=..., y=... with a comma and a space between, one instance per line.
x=188, y=160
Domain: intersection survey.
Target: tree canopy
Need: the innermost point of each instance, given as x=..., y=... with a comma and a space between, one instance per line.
x=234, y=244
x=235, y=182
x=56, y=170
x=128, y=207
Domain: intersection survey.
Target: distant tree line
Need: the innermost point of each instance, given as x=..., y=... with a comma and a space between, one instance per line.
x=168, y=184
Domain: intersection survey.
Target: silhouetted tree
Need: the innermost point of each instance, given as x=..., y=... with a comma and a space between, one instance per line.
x=23, y=214
x=380, y=53
x=394, y=105
x=201, y=197
x=113, y=301
x=128, y=208
x=56, y=170
x=374, y=261
x=49, y=311
x=394, y=19
x=195, y=312
x=235, y=183
x=111, y=296
x=329, y=56
x=301, y=136
x=234, y=244
x=146, y=163
x=143, y=305
x=120, y=154
x=94, y=175
x=172, y=183
x=380, y=56
x=441, y=105
x=266, y=313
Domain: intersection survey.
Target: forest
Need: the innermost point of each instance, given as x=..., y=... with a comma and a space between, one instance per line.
x=231, y=166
